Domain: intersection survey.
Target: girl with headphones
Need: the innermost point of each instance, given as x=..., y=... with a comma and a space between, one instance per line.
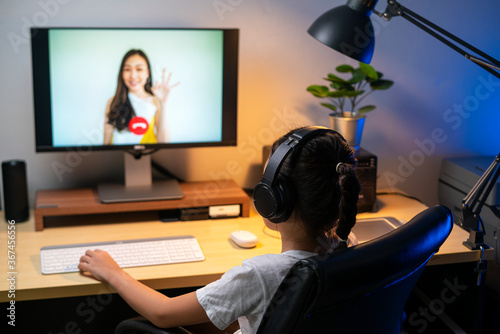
x=308, y=194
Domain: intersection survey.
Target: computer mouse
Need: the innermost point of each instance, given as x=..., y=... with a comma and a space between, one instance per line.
x=244, y=239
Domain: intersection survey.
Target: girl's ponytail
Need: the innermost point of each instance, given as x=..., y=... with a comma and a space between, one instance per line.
x=349, y=189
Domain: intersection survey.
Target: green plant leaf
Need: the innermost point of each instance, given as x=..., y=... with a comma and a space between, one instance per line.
x=334, y=78
x=353, y=93
x=337, y=85
x=318, y=91
x=381, y=84
x=366, y=109
x=329, y=106
x=370, y=80
x=369, y=71
x=345, y=93
x=345, y=68
x=337, y=94
x=357, y=76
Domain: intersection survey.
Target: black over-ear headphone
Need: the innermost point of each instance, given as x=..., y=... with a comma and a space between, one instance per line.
x=274, y=197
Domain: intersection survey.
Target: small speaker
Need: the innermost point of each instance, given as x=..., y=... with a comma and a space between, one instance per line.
x=15, y=191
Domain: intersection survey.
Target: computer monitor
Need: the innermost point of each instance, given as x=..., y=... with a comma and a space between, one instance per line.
x=136, y=90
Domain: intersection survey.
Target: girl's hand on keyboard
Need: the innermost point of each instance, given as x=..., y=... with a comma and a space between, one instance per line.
x=98, y=264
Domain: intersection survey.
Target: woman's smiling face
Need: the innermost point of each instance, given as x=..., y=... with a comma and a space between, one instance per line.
x=135, y=73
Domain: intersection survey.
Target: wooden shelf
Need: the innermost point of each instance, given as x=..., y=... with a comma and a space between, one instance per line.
x=85, y=201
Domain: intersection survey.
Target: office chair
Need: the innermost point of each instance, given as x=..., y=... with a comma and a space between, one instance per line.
x=360, y=289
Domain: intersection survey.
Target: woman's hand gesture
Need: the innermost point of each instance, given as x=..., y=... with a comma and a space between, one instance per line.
x=163, y=88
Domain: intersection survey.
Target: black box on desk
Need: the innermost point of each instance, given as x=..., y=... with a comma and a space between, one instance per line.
x=366, y=172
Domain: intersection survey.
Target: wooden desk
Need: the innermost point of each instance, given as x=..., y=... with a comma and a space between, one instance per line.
x=213, y=236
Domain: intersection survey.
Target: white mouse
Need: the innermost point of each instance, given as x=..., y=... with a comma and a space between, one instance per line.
x=244, y=239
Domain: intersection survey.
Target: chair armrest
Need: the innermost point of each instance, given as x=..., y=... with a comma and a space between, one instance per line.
x=141, y=325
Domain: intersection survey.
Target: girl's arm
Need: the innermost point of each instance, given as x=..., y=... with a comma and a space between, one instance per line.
x=159, y=309
x=161, y=91
x=162, y=132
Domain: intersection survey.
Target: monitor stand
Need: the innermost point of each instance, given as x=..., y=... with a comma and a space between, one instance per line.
x=139, y=185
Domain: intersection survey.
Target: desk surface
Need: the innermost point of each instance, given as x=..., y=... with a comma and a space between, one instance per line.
x=213, y=235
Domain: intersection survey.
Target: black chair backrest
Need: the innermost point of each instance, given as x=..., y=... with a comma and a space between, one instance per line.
x=361, y=289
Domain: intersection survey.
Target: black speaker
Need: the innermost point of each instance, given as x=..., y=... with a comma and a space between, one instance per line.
x=15, y=191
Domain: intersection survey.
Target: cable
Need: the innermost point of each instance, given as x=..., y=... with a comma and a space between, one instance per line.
x=139, y=154
x=264, y=230
x=165, y=172
x=162, y=170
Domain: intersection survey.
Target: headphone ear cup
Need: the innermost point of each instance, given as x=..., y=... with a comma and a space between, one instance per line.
x=275, y=203
x=287, y=199
x=265, y=200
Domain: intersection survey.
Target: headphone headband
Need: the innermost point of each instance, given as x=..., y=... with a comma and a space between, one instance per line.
x=278, y=157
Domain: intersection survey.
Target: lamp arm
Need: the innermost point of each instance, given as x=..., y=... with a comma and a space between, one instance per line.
x=473, y=203
x=483, y=62
x=489, y=63
x=475, y=199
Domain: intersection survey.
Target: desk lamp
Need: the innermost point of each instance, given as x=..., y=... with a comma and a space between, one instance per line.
x=348, y=29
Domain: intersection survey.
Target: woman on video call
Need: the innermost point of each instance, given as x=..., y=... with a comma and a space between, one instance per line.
x=134, y=114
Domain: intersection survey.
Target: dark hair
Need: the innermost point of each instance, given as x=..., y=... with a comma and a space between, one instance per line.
x=121, y=110
x=326, y=200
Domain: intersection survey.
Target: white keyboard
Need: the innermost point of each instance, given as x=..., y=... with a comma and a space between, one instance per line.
x=127, y=253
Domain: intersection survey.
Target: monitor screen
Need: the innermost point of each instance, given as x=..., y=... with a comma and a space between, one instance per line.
x=138, y=89
x=134, y=90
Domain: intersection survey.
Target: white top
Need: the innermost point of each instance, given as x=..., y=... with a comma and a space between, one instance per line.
x=142, y=109
x=244, y=292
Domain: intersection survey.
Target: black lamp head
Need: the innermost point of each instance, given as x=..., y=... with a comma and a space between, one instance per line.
x=348, y=29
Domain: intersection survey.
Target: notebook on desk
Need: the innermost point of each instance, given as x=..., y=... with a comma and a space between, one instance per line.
x=367, y=229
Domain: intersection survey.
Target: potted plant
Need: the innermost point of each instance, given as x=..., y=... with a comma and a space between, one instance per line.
x=345, y=95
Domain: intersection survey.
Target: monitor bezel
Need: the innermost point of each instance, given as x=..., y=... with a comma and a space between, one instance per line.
x=42, y=94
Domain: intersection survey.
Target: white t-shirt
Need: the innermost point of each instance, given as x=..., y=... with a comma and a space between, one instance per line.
x=143, y=110
x=244, y=292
